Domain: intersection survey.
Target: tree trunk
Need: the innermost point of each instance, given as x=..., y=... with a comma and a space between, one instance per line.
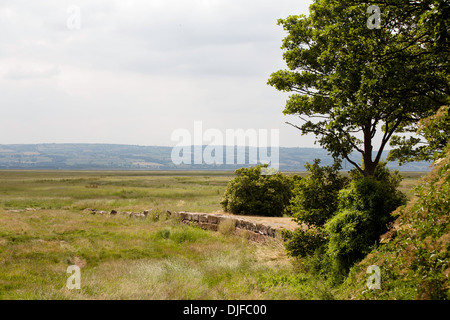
x=368, y=165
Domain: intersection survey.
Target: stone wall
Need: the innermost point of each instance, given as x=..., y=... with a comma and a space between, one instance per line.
x=252, y=230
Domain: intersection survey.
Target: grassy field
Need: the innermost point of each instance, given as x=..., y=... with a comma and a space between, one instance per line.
x=43, y=230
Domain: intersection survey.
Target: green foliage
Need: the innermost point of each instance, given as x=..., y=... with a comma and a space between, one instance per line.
x=436, y=131
x=378, y=195
x=341, y=221
x=302, y=243
x=314, y=197
x=414, y=255
x=351, y=235
x=163, y=233
x=251, y=192
x=364, y=214
x=314, y=200
x=348, y=81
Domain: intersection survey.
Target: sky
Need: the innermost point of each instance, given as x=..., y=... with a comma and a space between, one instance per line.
x=134, y=72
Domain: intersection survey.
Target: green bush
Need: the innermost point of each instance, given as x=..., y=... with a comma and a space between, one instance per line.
x=343, y=219
x=252, y=193
x=315, y=197
x=350, y=236
x=314, y=201
x=302, y=243
x=364, y=214
x=414, y=258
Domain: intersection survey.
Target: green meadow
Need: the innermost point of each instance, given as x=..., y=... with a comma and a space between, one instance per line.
x=44, y=229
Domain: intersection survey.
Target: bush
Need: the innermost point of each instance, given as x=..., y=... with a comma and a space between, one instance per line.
x=414, y=258
x=250, y=192
x=364, y=214
x=344, y=220
x=314, y=201
x=302, y=243
x=351, y=235
x=315, y=197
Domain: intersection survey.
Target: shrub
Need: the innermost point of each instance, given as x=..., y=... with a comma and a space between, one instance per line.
x=315, y=198
x=364, y=214
x=163, y=234
x=251, y=192
x=343, y=219
x=350, y=236
x=301, y=243
x=378, y=195
x=414, y=257
x=313, y=202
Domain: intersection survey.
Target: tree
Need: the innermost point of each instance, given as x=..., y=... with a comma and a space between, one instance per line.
x=352, y=85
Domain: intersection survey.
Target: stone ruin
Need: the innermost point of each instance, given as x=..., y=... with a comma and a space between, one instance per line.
x=254, y=231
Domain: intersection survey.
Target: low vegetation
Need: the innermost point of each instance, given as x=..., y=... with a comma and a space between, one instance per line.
x=44, y=230
x=122, y=258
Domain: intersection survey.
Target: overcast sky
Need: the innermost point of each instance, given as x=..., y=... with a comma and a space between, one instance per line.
x=132, y=72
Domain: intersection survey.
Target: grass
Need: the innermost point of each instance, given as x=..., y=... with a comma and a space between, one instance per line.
x=122, y=258
x=108, y=190
x=43, y=230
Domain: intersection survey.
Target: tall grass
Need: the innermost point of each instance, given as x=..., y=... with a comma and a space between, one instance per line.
x=123, y=258
x=43, y=230
x=112, y=190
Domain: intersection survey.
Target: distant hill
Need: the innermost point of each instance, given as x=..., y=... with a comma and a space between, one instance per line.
x=133, y=157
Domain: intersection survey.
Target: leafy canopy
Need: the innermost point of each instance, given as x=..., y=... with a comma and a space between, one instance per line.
x=351, y=85
x=253, y=193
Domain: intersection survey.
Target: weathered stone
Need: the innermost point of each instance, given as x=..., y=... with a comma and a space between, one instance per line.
x=259, y=226
x=243, y=224
x=263, y=229
x=194, y=217
x=208, y=226
x=253, y=236
x=203, y=218
x=213, y=219
x=183, y=215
